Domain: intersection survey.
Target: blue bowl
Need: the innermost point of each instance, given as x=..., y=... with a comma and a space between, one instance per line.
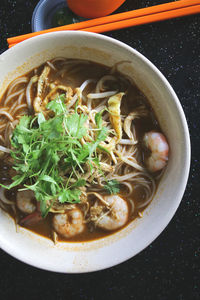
x=44, y=12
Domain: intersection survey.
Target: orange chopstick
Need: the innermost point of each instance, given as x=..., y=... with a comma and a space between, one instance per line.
x=145, y=19
x=123, y=20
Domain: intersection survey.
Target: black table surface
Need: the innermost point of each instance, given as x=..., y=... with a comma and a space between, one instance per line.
x=169, y=267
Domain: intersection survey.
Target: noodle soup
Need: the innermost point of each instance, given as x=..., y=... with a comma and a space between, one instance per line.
x=81, y=150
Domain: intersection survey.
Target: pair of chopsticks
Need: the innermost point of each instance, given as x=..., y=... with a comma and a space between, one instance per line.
x=123, y=20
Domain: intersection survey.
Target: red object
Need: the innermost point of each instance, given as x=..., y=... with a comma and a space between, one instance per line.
x=31, y=219
x=94, y=8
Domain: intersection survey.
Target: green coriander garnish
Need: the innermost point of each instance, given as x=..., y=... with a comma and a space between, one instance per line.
x=47, y=153
x=112, y=186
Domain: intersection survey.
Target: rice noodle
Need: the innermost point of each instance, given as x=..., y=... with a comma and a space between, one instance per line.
x=58, y=59
x=119, y=159
x=4, y=149
x=72, y=102
x=132, y=205
x=7, y=134
x=2, y=127
x=101, y=95
x=51, y=65
x=85, y=83
x=100, y=84
x=15, y=83
x=114, y=69
x=136, y=114
x=129, y=186
x=2, y=139
x=74, y=61
x=99, y=108
x=13, y=106
x=33, y=80
x=150, y=196
x=7, y=114
x=10, y=97
x=125, y=177
x=19, y=108
x=20, y=99
x=101, y=105
x=99, y=197
x=130, y=161
x=89, y=104
x=127, y=142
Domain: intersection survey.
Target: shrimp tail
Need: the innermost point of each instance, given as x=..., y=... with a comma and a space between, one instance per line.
x=31, y=219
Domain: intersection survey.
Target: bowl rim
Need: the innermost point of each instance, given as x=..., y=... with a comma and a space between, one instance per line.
x=163, y=224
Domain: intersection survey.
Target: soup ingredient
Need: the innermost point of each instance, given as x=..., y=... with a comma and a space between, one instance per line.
x=116, y=216
x=25, y=201
x=128, y=123
x=4, y=198
x=72, y=135
x=114, y=104
x=57, y=140
x=112, y=187
x=157, y=144
x=31, y=219
x=69, y=224
x=42, y=82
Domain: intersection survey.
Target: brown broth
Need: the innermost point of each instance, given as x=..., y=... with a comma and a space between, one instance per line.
x=133, y=98
x=44, y=228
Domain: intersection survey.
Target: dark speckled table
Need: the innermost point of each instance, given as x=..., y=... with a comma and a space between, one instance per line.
x=169, y=267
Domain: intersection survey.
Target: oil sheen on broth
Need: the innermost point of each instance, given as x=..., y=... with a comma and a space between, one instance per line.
x=90, y=150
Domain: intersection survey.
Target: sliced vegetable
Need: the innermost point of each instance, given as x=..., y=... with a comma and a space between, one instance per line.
x=44, y=149
x=114, y=103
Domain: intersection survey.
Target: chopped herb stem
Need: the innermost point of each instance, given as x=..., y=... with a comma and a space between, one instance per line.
x=43, y=149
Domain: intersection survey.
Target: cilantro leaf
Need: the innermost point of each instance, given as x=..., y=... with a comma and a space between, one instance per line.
x=80, y=182
x=46, y=151
x=52, y=128
x=41, y=118
x=75, y=125
x=47, y=178
x=100, y=138
x=71, y=196
x=112, y=186
x=57, y=105
x=98, y=119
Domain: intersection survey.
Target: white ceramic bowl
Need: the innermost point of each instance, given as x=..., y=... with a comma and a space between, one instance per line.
x=100, y=254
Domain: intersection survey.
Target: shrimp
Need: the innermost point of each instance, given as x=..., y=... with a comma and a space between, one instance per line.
x=69, y=224
x=31, y=219
x=117, y=216
x=25, y=201
x=157, y=144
